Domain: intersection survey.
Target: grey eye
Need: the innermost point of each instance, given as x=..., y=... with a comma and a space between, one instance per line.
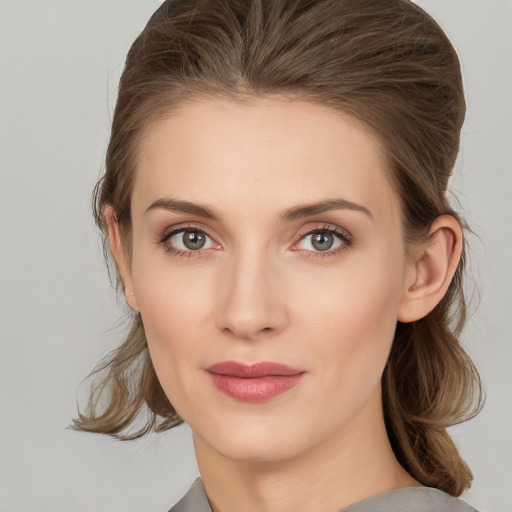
x=191, y=240
x=321, y=240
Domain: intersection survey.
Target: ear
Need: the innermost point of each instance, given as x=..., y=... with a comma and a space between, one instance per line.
x=431, y=269
x=119, y=255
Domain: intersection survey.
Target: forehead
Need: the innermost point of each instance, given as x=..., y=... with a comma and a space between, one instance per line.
x=265, y=152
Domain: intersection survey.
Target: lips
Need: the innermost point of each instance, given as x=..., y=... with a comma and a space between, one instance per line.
x=256, y=382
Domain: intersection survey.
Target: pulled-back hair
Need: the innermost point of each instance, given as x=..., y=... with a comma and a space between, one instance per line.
x=384, y=62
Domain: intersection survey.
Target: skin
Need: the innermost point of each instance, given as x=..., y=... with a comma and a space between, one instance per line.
x=260, y=291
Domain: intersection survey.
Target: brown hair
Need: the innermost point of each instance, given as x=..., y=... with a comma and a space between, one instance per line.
x=385, y=62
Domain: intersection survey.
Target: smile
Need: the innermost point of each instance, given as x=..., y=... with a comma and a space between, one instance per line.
x=256, y=382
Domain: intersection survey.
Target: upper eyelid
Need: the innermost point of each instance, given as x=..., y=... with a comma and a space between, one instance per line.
x=304, y=231
x=324, y=226
x=173, y=230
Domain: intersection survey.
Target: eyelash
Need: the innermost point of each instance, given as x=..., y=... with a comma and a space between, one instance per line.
x=344, y=237
x=167, y=235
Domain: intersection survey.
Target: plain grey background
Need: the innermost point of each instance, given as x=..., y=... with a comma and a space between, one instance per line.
x=60, y=61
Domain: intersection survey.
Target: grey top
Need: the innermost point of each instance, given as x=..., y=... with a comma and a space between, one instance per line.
x=408, y=499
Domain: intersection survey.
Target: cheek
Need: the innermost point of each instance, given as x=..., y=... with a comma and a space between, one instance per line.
x=169, y=292
x=174, y=302
x=352, y=316
x=172, y=305
x=173, y=349
x=359, y=293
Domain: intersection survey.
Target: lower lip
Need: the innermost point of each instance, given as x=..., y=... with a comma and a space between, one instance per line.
x=255, y=390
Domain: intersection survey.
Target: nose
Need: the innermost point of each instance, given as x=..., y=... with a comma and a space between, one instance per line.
x=252, y=298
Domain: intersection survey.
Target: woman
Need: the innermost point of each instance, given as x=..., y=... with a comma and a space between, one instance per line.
x=274, y=201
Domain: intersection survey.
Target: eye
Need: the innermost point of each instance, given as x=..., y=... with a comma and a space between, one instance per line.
x=324, y=239
x=187, y=240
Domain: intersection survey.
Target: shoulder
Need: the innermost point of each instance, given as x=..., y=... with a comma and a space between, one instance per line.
x=408, y=499
x=195, y=500
x=411, y=499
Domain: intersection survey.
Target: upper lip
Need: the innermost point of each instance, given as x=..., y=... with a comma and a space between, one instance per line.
x=252, y=371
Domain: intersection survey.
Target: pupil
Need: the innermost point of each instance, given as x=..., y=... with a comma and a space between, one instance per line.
x=322, y=241
x=193, y=240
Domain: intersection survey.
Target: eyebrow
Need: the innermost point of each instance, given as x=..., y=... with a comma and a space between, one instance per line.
x=308, y=210
x=177, y=206
x=291, y=214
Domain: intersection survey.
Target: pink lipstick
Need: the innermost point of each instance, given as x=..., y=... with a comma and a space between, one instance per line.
x=255, y=382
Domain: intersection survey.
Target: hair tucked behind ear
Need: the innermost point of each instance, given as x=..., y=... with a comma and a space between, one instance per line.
x=388, y=64
x=429, y=384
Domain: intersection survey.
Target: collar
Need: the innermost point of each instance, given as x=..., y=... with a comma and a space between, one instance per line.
x=407, y=499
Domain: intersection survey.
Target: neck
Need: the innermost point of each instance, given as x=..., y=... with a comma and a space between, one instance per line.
x=352, y=464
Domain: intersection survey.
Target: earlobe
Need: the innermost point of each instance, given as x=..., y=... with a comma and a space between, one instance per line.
x=118, y=253
x=432, y=268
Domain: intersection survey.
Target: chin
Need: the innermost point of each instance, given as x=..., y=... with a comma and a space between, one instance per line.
x=256, y=450
x=256, y=441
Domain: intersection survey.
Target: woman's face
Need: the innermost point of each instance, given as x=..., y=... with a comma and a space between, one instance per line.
x=266, y=232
